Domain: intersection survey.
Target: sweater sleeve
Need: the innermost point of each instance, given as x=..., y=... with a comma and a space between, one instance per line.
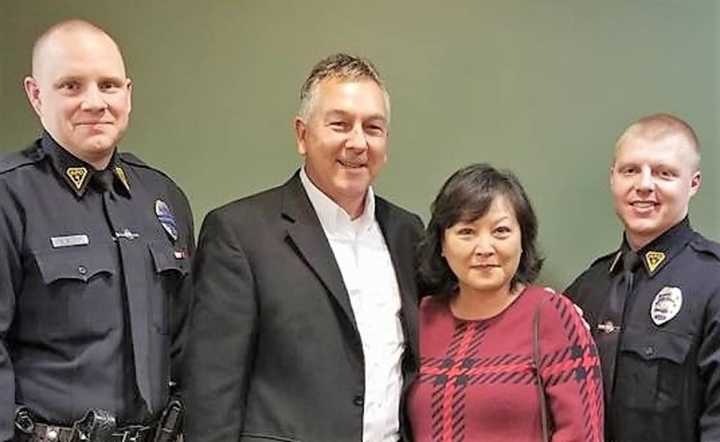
x=570, y=368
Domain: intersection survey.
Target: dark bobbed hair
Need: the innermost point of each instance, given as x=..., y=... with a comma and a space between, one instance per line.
x=466, y=196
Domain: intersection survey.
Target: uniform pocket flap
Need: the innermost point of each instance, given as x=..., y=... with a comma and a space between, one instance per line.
x=167, y=258
x=79, y=263
x=657, y=344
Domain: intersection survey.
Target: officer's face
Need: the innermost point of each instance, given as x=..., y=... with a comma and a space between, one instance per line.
x=652, y=182
x=344, y=140
x=484, y=254
x=80, y=91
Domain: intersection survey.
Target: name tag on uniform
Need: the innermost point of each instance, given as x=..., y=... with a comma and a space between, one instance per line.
x=69, y=241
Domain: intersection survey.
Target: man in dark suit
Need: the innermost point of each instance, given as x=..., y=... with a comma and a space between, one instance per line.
x=304, y=321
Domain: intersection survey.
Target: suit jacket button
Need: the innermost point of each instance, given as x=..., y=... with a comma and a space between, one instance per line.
x=359, y=401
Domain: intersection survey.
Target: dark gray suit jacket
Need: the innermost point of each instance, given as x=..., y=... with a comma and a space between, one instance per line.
x=274, y=353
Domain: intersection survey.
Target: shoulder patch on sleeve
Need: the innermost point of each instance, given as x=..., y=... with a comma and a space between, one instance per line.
x=24, y=157
x=704, y=245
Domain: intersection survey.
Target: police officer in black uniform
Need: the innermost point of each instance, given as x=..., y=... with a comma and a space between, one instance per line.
x=654, y=304
x=95, y=247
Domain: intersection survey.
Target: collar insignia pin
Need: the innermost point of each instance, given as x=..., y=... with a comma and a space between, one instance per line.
x=654, y=259
x=77, y=175
x=120, y=173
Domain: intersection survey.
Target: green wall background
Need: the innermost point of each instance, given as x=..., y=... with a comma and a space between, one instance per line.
x=541, y=87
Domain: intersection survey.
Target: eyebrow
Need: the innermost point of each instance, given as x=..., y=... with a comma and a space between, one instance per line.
x=342, y=113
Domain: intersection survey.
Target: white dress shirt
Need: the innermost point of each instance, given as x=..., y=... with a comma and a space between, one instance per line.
x=367, y=270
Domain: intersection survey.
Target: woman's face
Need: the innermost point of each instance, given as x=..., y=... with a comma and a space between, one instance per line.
x=484, y=254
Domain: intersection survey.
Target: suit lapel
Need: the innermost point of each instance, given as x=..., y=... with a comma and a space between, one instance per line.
x=396, y=241
x=306, y=236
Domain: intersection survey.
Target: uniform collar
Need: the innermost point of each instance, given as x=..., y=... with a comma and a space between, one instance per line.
x=661, y=250
x=76, y=173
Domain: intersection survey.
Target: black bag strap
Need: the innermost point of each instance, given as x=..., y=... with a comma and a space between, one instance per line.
x=539, y=381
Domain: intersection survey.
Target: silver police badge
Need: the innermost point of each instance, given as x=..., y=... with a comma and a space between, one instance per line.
x=666, y=305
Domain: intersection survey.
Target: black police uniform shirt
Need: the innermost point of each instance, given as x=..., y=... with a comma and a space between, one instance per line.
x=667, y=379
x=93, y=293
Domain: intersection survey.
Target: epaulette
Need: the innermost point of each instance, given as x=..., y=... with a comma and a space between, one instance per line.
x=704, y=245
x=12, y=161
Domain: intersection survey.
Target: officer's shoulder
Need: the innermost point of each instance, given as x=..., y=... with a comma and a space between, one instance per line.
x=604, y=260
x=135, y=161
x=15, y=160
x=703, y=245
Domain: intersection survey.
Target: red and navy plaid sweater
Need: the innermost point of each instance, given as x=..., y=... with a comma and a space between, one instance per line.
x=476, y=381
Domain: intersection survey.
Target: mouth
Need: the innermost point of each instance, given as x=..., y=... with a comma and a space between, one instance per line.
x=351, y=164
x=93, y=123
x=643, y=204
x=484, y=266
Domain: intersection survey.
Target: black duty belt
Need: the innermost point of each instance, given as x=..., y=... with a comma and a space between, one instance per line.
x=99, y=426
x=53, y=433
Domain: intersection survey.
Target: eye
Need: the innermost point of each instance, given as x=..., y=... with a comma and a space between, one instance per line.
x=69, y=86
x=666, y=174
x=108, y=86
x=628, y=170
x=502, y=231
x=375, y=130
x=464, y=231
x=339, y=126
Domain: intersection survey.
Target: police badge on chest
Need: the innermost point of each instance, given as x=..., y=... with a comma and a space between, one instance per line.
x=666, y=305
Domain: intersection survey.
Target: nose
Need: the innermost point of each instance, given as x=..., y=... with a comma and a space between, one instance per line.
x=484, y=246
x=356, y=138
x=644, y=180
x=93, y=100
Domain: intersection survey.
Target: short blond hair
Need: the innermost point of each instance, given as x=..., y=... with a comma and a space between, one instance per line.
x=660, y=126
x=70, y=25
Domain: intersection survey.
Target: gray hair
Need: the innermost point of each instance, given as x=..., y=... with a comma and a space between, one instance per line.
x=342, y=67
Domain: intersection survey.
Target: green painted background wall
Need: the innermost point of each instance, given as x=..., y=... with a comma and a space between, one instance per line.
x=541, y=87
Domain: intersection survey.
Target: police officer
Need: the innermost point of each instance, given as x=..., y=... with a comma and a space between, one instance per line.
x=95, y=247
x=654, y=304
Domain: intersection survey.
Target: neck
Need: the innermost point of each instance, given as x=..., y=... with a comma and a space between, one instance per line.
x=99, y=162
x=638, y=242
x=476, y=304
x=353, y=208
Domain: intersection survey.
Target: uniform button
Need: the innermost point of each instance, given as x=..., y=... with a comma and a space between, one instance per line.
x=649, y=350
x=82, y=270
x=359, y=401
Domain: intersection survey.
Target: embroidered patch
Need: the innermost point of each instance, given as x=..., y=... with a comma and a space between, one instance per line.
x=77, y=175
x=166, y=218
x=654, y=259
x=666, y=305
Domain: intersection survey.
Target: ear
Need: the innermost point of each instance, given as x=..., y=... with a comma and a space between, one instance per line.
x=129, y=86
x=32, y=90
x=612, y=173
x=300, y=133
x=695, y=183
